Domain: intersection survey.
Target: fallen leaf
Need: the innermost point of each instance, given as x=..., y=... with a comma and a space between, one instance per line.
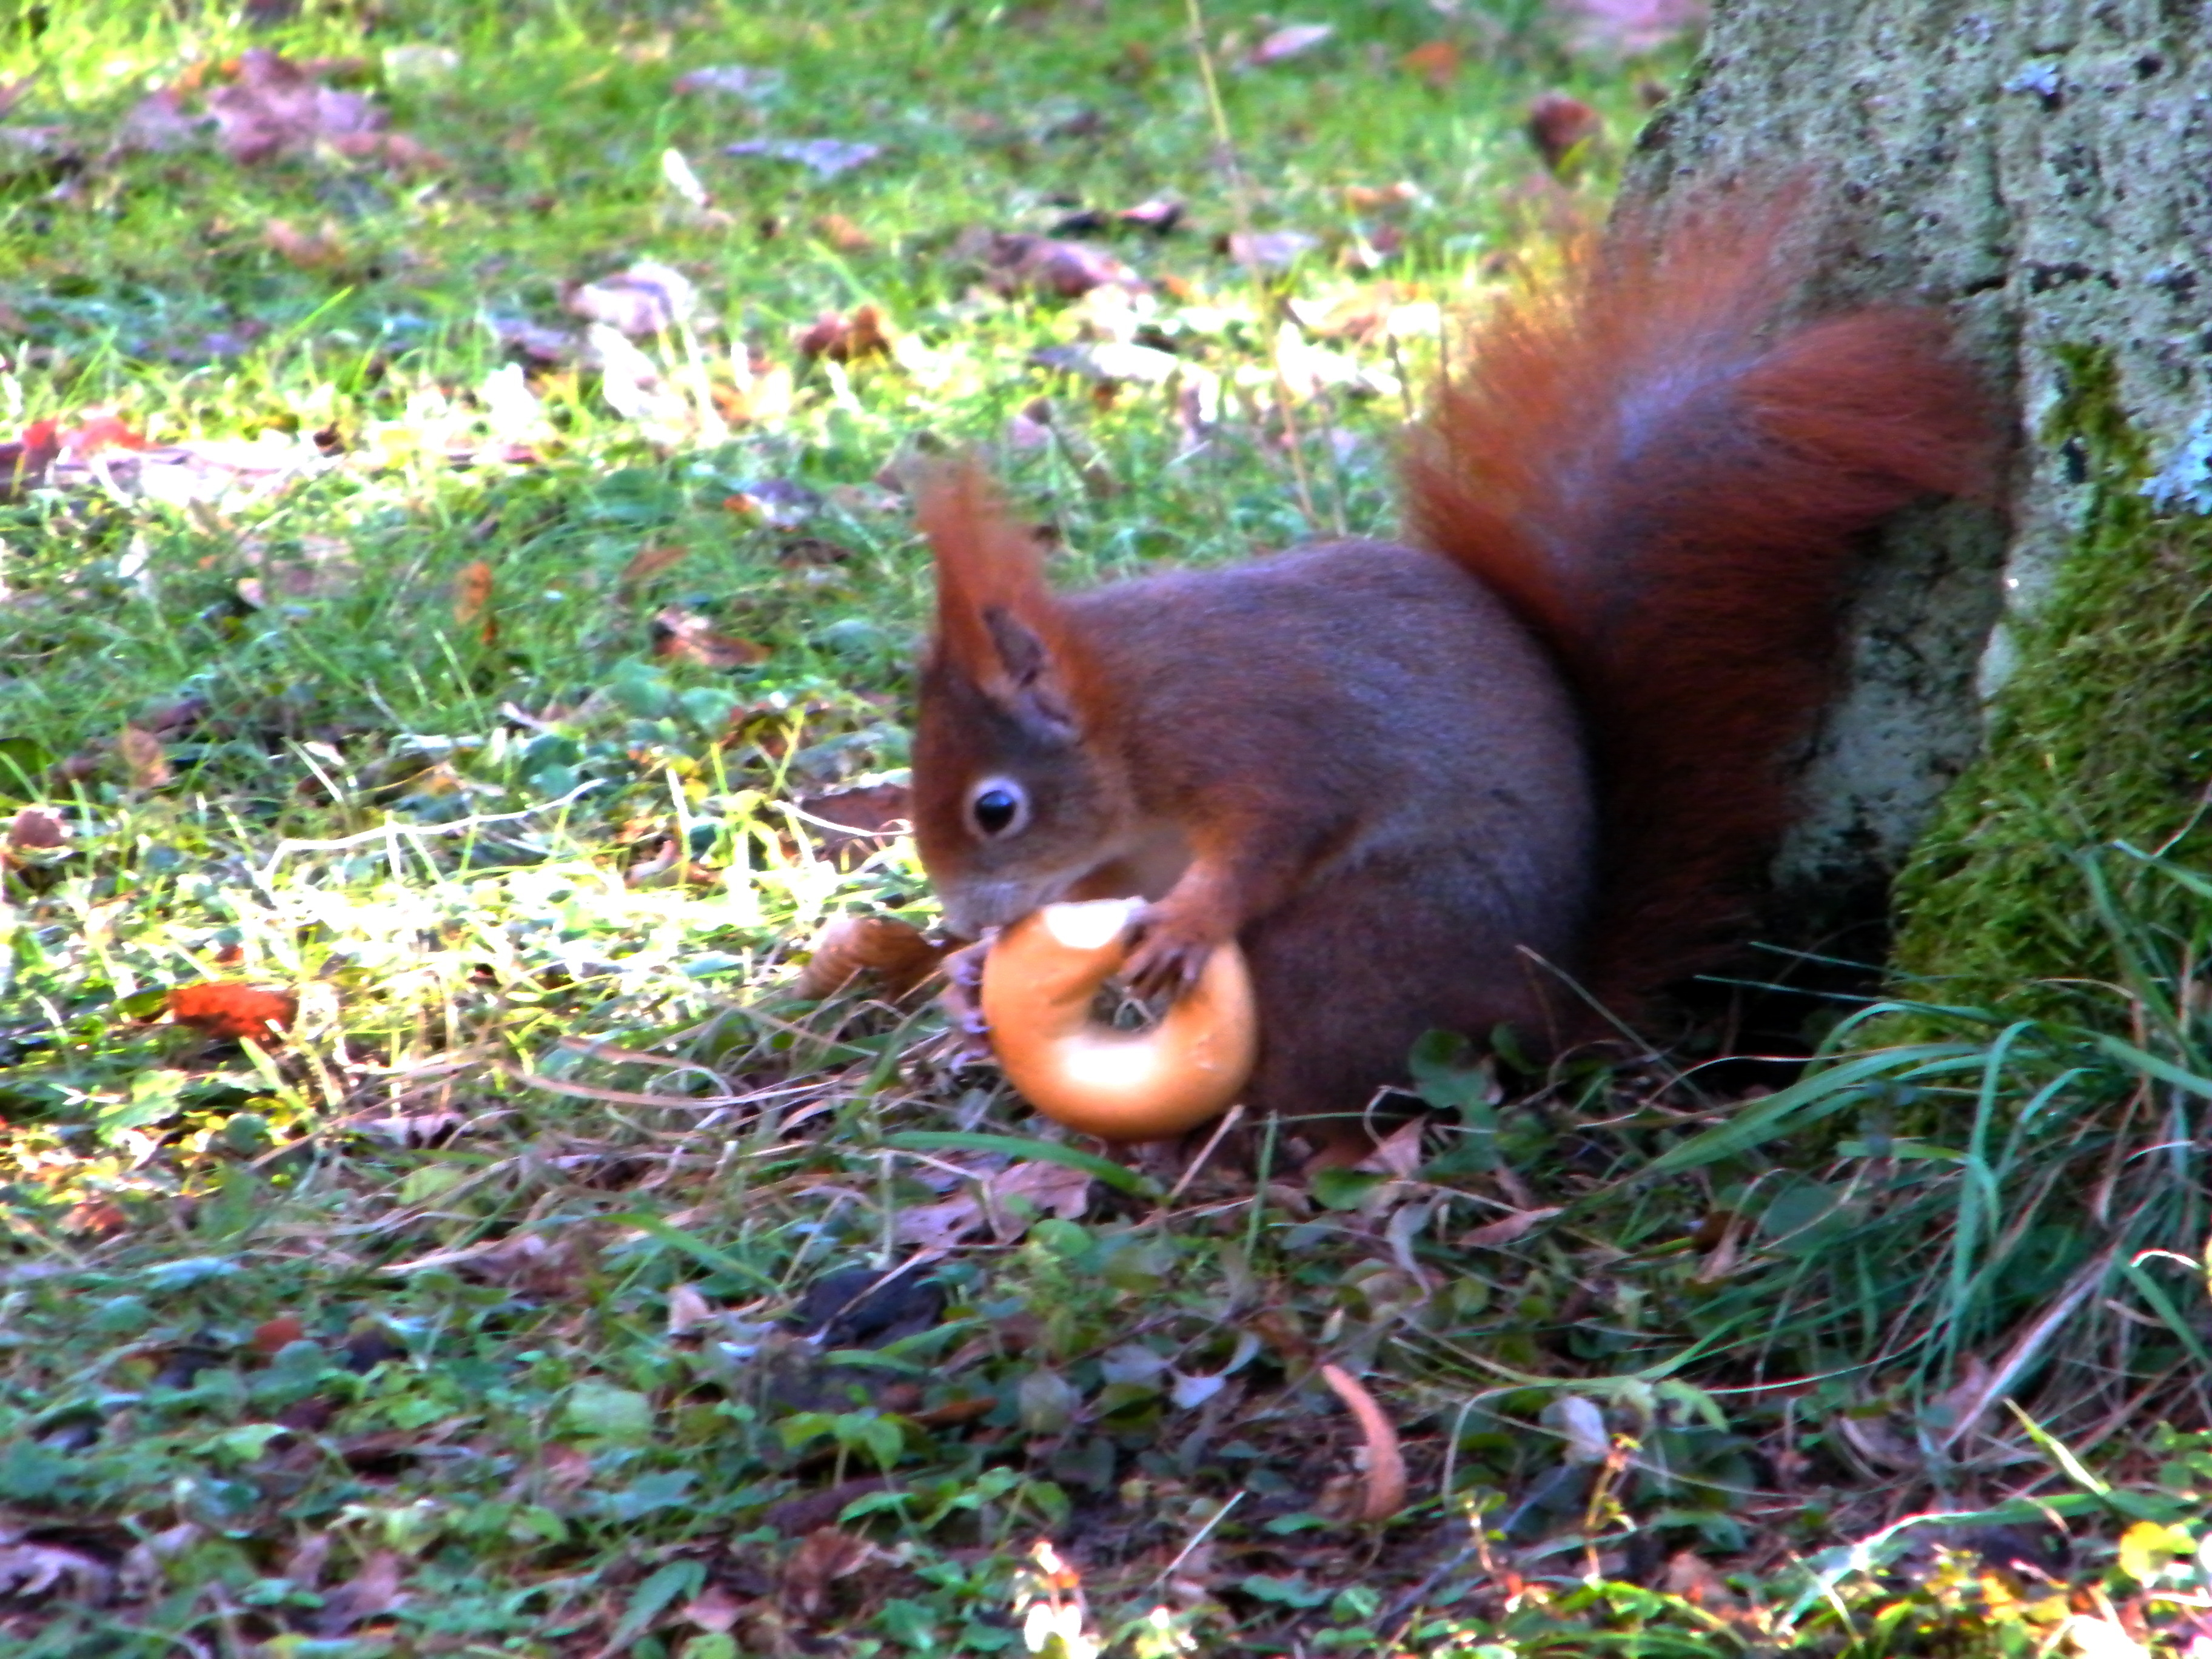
x=1291, y=40
x=1492, y=1234
x=99, y=1217
x=375, y=1589
x=1696, y=1580
x=1045, y=265
x=281, y=1332
x=844, y=339
x=688, y=1309
x=276, y=108
x=1159, y=216
x=647, y=298
x=843, y=235
x=148, y=767
x=472, y=590
x=1562, y=128
x=679, y=635
x=1436, y=62
x=37, y=828
x=649, y=561
x=307, y=250
x=1386, y=1462
x=1399, y=1153
x=28, y=1569
x=824, y=157
x=895, y=953
x=232, y=1009
x=1045, y=1188
x=847, y=825
x=713, y=1609
x=824, y=1555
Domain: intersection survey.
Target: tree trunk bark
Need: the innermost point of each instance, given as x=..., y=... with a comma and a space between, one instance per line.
x=2043, y=169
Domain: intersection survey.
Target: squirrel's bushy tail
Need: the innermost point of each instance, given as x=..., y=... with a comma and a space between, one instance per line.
x=1667, y=487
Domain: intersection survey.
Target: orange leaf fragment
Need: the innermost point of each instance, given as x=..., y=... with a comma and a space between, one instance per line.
x=142, y=758
x=682, y=636
x=849, y=945
x=650, y=561
x=472, y=600
x=271, y=1335
x=229, y=1008
x=1436, y=62
x=1386, y=1463
x=844, y=339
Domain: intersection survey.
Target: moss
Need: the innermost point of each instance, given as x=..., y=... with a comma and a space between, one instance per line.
x=2103, y=733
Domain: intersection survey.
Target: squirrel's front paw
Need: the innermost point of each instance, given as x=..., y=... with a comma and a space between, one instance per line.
x=962, y=1002
x=1171, y=950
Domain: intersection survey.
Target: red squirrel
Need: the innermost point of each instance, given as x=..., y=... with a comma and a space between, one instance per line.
x=1531, y=762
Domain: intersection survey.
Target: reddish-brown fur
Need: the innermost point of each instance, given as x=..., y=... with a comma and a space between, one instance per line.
x=1396, y=778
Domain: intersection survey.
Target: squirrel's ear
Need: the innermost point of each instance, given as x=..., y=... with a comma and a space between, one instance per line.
x=998, y=624
x=1034, y=690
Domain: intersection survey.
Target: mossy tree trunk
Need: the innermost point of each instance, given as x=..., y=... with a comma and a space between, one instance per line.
x=2043, y=169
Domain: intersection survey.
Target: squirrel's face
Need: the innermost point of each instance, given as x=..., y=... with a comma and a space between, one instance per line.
x=1011, y=807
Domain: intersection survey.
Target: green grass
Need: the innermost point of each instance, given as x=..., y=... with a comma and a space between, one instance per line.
x=474, y=1317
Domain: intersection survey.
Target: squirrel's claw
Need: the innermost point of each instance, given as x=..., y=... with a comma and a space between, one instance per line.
x=1170, y=954
x=962, y=1002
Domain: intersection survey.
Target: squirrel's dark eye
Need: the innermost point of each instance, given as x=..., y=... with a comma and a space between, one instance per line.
x=998, y=807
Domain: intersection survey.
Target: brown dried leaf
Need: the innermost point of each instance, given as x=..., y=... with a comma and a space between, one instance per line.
x=29, y=1569
x=713, y=1609
x=893, y=951
x=99, y=1217
x=1159, y=215
x=843, y=235
x=1436, y=62
x=1399, y=1154
x=278, y=108
x=148, y=767
x=844, y=339
x=271, y=1335
x=682, y=636
x=1043, y=265
x=1696, y=1580
x=375, y=1589
x=39, y=827
x=472, y=592
x=1506, y=1229
x=1386, y=1462
x=308, y=250
x=847, y=825
x=649, y=561
x=822, y=1555
x=1562, y=128
x=230, y=1009
x=688, y=1309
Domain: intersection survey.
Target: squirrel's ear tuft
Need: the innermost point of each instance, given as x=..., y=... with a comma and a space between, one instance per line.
x=998, y=624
